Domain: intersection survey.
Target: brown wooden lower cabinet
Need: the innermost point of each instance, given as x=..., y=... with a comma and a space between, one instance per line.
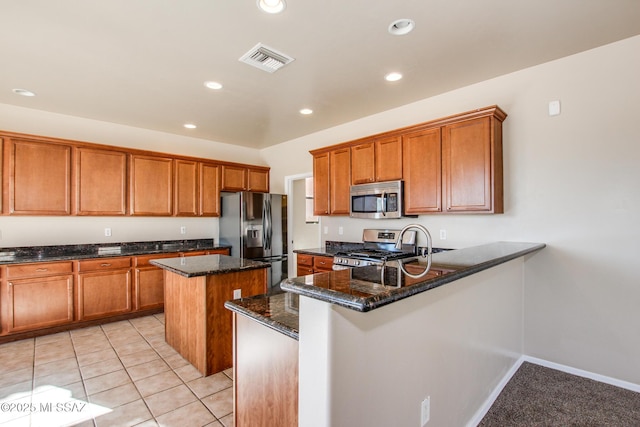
x=104, y=288
x=311, y=264
x=197, y=324
x=265, y=372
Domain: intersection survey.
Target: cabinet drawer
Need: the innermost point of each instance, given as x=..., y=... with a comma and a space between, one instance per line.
x=304, y=259
x=39, y=269
x=104, y=264
x=322, y=263
x=143, y=261
x=304, y=271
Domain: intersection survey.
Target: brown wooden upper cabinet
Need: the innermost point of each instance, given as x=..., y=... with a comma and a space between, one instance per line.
x=422, y=154
x=197, y=189
x=331, y=181
x=472, y=166
x=453, y=164
x=258, y=180
x=151, y=185
x=239, y=178
x=377, y=160
x=209, y=203
x=39, y=178
x=101, y=182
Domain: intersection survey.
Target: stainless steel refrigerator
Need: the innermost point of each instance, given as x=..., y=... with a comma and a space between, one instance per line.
x=255, y=226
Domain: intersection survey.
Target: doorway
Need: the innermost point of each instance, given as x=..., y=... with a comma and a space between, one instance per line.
x=303, y=229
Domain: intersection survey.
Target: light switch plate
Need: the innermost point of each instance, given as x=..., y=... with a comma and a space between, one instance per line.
x=554, y=108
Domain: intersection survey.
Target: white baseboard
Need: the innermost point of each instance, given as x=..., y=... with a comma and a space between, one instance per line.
x=581, y=373
x=484, y=408
x=482, y=411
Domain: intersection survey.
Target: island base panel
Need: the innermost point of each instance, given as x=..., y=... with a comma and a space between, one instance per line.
x=197, y=325
x=265, y=387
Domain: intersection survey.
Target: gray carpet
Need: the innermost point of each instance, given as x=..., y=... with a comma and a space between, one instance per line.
x=539, y=396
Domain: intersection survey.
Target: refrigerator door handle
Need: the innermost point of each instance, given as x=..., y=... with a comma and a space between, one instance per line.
x=265, y=224
x=269, y=224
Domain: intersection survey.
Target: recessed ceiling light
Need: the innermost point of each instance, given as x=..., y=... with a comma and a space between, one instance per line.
x=271, y=6
x=306, y=111
x=401, y=27
x=190, y=126
x=213, y=85
x=24, y=92
x=393, y=77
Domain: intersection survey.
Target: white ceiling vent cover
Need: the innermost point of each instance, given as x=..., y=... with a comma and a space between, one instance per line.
x=265, y=58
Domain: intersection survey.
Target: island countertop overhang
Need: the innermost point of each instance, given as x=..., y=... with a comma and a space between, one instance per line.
x=339, y=288
x=206, y=265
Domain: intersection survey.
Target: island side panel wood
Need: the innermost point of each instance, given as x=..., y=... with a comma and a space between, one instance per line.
x=265, y=387
x=220, y=288
x=185, y=316
x=197, y=324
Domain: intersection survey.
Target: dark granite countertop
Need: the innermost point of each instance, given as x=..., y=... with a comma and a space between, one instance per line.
x=27, y=254
x=367, y=288
x=278, y=311
x=205, y=265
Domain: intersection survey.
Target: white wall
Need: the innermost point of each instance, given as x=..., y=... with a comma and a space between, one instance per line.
x=571, y=181
x=454, y=344
x=36, y=231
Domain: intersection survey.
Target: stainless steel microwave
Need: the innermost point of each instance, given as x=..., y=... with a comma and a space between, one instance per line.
x=380, y=200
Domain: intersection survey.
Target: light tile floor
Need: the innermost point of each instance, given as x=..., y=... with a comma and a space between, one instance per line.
x=117, y=374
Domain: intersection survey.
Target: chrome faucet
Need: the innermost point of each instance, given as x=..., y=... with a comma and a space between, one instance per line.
x=423, y=254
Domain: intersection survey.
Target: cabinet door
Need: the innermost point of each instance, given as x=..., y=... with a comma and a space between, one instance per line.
x=466, y=166
x=363, y=164
x=151, y=185
x=39, y=178
x=421, y=153
x=149, y=288
x=321, y=184
x=340, y=181
x=103, y=294
x=209, y=189
x=258, y=180
x=234, y=178
x=39, y=302
x=186, y=188
x=388, y=158
x=101, y=178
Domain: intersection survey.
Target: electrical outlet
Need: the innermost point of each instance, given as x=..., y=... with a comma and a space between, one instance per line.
x=326, y=230
x=237, y=293
x=340, y=231
x=425, y=411
x=443, y=234
x=183, y=230
x=107, y=232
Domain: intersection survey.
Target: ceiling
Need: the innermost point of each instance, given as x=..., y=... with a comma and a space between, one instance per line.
x=143, y=63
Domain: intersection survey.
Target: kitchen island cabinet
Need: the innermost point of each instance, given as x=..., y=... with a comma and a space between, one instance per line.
x=196, y=323
x=460, y=334
x=265, y=387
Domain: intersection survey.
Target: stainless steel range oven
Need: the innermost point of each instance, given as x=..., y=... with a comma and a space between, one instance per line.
x=378, y=247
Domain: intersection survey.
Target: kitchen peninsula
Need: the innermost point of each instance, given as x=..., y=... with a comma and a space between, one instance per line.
x=371, y=347
x=196, y=322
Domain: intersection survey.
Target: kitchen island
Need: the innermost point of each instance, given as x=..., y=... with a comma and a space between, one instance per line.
x=196, y=322
x=373, y=346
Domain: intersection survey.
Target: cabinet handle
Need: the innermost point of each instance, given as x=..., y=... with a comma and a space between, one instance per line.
x=105, y=265
x=41, y=270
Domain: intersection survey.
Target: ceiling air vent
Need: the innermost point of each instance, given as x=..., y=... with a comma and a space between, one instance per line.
x=265, y=58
